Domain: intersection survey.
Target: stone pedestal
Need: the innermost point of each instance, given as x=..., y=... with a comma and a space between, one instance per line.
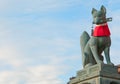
x=97, y=74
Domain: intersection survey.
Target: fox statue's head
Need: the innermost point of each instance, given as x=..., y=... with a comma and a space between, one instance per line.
x=99, y=17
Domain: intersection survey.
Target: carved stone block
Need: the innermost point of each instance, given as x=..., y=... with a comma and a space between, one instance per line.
x=97, y=74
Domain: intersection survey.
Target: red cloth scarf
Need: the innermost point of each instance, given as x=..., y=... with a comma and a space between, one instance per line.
x=101, y=30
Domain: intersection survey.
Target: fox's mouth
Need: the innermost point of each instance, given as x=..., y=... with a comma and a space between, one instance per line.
x=102, y=21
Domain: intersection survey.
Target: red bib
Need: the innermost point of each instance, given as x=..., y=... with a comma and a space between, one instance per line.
x=101, y=30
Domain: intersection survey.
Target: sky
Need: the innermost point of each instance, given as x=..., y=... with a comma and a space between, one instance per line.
x=40, y=39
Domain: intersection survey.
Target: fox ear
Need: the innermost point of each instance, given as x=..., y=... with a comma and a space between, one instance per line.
x=103, y=9
x=93, y=10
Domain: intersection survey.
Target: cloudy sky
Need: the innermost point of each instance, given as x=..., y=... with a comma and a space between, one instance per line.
x=39, y=39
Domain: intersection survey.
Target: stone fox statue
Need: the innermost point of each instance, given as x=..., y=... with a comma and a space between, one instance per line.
x=92, y=47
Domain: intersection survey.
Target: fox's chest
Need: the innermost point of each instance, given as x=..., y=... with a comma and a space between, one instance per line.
x=100, y=41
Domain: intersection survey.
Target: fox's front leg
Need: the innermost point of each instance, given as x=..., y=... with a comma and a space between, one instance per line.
x=94, y=49
x=107, y=55
x=95, y=54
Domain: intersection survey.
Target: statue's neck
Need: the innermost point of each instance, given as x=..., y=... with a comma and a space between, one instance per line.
x=101, y=24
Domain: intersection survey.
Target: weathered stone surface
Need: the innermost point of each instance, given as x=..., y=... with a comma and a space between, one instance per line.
x=97, y=74
x=118, y=69
x=95, y=71
x=100, y=41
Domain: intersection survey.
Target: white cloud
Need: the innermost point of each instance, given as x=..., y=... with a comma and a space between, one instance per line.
x=38, y=73
x=9, y=55
x=9, y=77
x=42, y=74
x=45, y=63
x=34, y=74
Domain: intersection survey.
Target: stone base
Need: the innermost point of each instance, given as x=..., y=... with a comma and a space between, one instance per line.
x=97, y=74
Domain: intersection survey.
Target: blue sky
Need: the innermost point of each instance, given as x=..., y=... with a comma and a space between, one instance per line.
x=39, y=39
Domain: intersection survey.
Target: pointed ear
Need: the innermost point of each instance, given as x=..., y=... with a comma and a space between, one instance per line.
x=93, y=10
x=103, y=9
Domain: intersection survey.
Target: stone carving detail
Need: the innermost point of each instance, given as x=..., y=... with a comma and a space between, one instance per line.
x=92, y=47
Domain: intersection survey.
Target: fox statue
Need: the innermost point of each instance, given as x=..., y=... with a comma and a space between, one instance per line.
x=92, y=47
